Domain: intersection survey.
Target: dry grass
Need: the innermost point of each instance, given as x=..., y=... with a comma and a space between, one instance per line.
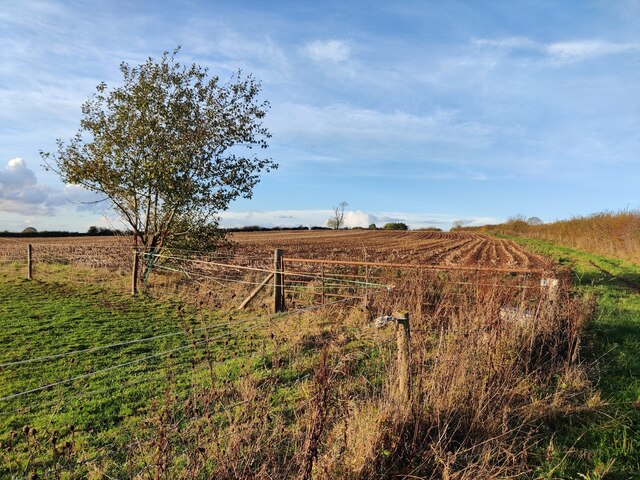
x=615, y=234
x=484, y=390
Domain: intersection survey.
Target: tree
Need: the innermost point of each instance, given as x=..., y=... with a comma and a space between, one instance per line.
x=395, y=226
x=170, y=148
x=337, y=219
x=516, y=223
x=373, y=226
x=534, y=221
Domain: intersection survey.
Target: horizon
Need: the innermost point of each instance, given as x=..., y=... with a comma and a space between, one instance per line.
x=418, y=112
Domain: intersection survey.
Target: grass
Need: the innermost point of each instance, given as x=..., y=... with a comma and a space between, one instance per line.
x=40, y=319
x=604, y=442
x=305, y=393
x=74, y=426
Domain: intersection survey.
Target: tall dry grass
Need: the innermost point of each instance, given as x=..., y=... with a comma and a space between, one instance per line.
x=494, y=360
x=614, y=234
x=484, y=385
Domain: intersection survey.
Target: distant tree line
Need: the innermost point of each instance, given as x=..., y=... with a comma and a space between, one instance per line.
x=514, y=224
x=257, y=228
x=93, y=231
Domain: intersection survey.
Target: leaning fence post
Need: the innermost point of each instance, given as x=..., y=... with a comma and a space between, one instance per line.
x=278, y=287
x=29, y=261
x=403, y=338
x=134, y=272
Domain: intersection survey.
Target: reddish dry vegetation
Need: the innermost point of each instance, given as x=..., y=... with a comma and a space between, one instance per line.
x=615, y=234
x=94, y=252
x=425, y=248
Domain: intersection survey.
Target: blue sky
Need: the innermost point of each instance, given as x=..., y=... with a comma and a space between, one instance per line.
x=425, y=112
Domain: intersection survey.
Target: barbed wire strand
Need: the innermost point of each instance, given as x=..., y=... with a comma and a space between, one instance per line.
x=166, y=352
x=264, y=270
x=355, y=357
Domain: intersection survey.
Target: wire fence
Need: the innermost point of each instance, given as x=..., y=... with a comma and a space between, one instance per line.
x=207, y=279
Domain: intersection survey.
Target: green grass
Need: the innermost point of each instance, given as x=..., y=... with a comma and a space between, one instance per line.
x=603, y=443
x=40, y=319
x=99, y=415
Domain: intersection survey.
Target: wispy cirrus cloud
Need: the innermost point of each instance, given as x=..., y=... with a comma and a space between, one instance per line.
x=506, y=43
x=328, y=50
x=572, y=50
x=351, y=122
x=583, y=49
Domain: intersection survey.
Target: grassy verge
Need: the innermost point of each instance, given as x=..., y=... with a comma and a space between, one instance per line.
x=604, y=443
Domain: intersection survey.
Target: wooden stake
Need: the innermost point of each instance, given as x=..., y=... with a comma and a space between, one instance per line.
x=365, y=308
x=552, y=287
x=29, y=262
x=134, y=273
x=420, y=295
x=255, y=291
x=278, y=286
x=403, y=338
x=322, y=275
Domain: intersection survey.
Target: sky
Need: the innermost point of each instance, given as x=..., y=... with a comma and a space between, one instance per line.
x=424, y=112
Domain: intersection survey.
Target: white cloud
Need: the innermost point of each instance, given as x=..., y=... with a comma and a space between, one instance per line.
x=274, y=218
x=563, y=51
x=357, y=218
x=506, y=43
x=582, y=49
x=328, y=50
x=17, y=174
x=20, y=192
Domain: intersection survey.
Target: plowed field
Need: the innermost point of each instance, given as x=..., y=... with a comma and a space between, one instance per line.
x=427, y=248
x=432, y=248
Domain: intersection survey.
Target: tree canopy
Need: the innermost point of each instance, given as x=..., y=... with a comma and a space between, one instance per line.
x=395, y=226
x=169, y=148
x=337, y=218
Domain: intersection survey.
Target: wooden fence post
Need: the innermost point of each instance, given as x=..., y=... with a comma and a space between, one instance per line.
x=278, y=284
x=322, y=277
x=29, y=262
x=420, y=295
x=552, y=287
x=365, y=306
x=134, y=273
x=403, y=338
